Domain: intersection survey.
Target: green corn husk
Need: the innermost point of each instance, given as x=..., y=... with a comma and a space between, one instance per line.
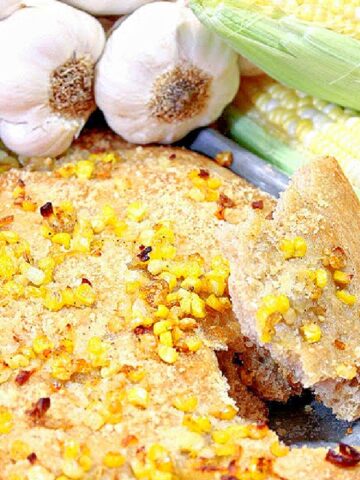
x=310, y=58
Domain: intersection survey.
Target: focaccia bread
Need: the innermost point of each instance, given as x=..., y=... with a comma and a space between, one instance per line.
x=295, y=283
x=113, y=300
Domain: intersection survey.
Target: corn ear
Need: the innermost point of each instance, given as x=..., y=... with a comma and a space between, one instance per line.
x=300, y=54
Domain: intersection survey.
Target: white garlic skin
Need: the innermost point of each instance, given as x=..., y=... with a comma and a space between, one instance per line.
x=7, y=7
x=107, y=7
x=52, y=34
x=150, y=43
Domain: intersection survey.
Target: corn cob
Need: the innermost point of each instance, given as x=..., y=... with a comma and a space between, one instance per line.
x=294, y=126
x=310, y=45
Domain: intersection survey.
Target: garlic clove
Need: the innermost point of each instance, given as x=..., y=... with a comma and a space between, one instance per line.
x=51, y=74
x=49, y=139
x=158, y=86
x=7, y=7
x=107, y=7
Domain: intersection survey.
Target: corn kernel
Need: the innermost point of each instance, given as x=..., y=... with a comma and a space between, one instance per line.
x=84, y=169
x=169, y=278
x=346, y=297
x=191, y=442
x=113, y=460
x=6, y=420
x=13, y=289
x=321, y=278
x=136, y=375
x=35, y=276
x=66, y=171
x=71, y=450
x=221, y=436
x=138, y=396
x=227, y=450
x=278, y=449
x=62, y=367
x=9, y=236
x=200, y=424
x=193, y=344
x=85, y=462
x=63, y=239
x=18, y=361
x=311, y=332
x=165, y=338
x=185, y=403
x=36, y=472
x=7, y=266
x=214, y=183
x=68, y=296
x=53, y=300
x=299, y=247
x=85, y=295
x=42, y=345
x=120, y=227
x=341, y=278
x=29, y=206
x=196, y=194
x=162, y=326
x=346, y=371
x=72, y=469
x=162, y=311
x=136, y=211
x=46, y=231
x=227, y=413
x=167, y=354
x=19, y=450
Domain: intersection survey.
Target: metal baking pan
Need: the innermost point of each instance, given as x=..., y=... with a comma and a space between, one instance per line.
x=302, y=421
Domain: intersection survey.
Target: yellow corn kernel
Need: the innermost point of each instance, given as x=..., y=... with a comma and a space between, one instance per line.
x=46, y=231
x=220, y=304
x=62, y=367
x=200, y=424
x=169, y=278
x=96, y=346
x=85, y=462
x=136, y=211
x=167, y=354
x=278, y=449
x=288, y=249
x=138, y=396
x=85, y=295
x=68, y=296
x=190, y=442
x=214, y=183
x=228, y=450
x=13, y=289
x=71, y=450
x=193, y=344
x=72, y=469
x=221, y=436
x=67, y=170
x=9, y=236
x=347, y=372
x=311, y=332
x=321, y=278
x=341, y=278
x=212, y=196
x=98, y=224
x=6, y=420
x=84, y=169
x=8, y=266
x=228, y=412
x=162, y=326
x=18, y=361
x=165, y=251
x=162, y=311
x=165, y=338
x=136, y=375
x=177, y=334
x=42, y=345
x=29, y=206
x=18, y=191
x=187, y=324
x=196, y=194
x=185, y=403
x=63, y=239
x=192, y=304
x=113, y=460
x=193, y=284
x=300, y=247
x=120, y=227
x=19, y=450
x=53, y=300
x=345, y=297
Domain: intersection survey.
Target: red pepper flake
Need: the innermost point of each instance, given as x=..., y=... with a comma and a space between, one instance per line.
x=141, y=330
x=32, y=458
x=258, y=204
x=40, y=408
x=144, y=253
x=223, y=202
x=129, y=440
x=204, y=173
x=347, y=456
x=46, y=210
x=340, y=251
x=85, y=280
x=23, y=376
x=172, y=156
x=339, y=344
x=4, y=221
x=270, y=216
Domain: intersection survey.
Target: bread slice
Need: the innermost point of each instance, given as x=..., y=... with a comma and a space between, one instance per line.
x=308, y=254
x=86, y=391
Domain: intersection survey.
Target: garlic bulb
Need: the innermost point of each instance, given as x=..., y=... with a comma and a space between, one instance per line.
x=163, y=74
x=7, y=7
x=107, y=7
x=47, y=74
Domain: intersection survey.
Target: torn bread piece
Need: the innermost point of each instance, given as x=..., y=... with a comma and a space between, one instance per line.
x=295, y=283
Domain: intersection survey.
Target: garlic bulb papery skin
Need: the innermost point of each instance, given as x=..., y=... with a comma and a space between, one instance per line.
x=162, y=74
x=107, y=7
x=47, y=76
x=7, y=7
